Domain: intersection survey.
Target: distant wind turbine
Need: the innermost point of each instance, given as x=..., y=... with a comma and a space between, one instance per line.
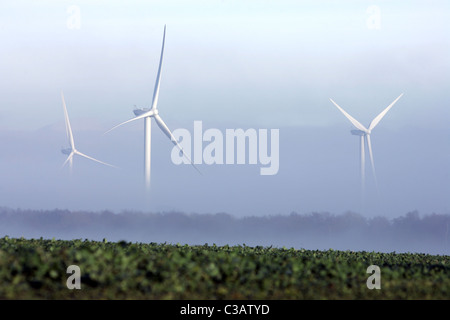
x=364, y=133
x=147, y=114
x=71, y=151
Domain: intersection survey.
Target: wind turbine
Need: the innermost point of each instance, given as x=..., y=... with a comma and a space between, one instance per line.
x=147, y=114
x=364, y=133
x=71, y=151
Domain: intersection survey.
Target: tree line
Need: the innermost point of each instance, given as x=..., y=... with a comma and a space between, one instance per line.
x=411, y=232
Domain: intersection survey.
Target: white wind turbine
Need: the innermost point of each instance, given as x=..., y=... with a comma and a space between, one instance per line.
x=364, y=133
x=71, y=151
x=147, y=114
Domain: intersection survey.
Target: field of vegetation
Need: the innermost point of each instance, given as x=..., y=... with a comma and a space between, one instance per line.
x=37, y=269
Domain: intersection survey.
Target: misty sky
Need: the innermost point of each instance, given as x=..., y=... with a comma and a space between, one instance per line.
x=230, y=64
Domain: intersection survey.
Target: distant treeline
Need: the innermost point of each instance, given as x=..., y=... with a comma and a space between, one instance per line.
x=349, y=231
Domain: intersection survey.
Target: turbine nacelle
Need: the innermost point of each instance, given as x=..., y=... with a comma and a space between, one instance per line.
x=67, y=151
x=145, y=112
x=358, y=133
x=140, y=111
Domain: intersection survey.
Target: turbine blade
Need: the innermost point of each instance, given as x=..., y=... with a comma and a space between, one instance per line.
x=349, y=117
x=144, y=115
x=169, y=134
x=378, y=118
x=67, y=160
x=158, y=76
x=90, y=158
x=68, y=127
x=369, y=145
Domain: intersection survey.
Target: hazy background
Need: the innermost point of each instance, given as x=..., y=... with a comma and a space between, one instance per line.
x=231, y=64
x=411, y=232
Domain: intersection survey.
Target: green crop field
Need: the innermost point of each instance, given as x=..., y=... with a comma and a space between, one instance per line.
x=37, y=269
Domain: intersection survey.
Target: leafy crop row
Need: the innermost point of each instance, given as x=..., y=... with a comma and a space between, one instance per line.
x=37, y=268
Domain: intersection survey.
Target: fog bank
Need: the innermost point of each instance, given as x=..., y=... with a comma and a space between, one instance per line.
x=411, y=232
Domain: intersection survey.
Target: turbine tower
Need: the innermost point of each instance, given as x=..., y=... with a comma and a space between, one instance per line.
x=71, y=151
x=147, y=114
x=364, y=134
